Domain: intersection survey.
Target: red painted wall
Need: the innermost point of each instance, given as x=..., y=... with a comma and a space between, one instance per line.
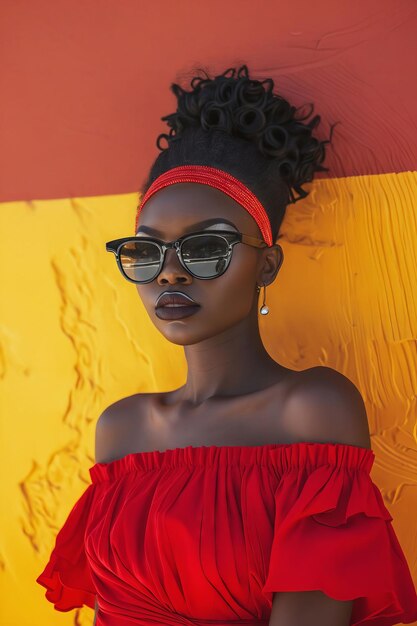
x=84, y=84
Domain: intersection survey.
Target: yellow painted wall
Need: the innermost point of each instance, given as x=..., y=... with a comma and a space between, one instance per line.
x=75, y=338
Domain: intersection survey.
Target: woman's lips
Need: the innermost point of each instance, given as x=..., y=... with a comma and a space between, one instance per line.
x=175, y=311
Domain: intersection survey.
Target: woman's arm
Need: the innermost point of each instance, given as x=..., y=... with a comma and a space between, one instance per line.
x=327, y=407
x=302, y=608
x=95, y=612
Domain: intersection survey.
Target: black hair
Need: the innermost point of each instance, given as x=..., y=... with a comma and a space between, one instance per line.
x=239, y=125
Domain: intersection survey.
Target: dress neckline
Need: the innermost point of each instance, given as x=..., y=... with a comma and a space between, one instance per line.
x=283, y=454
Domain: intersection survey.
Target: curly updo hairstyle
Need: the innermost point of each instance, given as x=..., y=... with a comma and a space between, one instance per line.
x=239, y=125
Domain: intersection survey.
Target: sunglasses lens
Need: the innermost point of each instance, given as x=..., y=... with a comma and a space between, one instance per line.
x=140, y=260
x=205, y=256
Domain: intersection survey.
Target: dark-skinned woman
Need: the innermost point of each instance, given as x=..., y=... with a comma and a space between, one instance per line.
x=244, y=496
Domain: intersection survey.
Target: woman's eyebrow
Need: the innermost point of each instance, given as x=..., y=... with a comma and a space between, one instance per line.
x=198, y=225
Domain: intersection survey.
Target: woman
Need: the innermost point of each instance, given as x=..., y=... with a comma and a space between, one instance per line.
x=244, y=496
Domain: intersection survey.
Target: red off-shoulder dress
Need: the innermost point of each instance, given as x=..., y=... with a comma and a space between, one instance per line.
x=201, y=536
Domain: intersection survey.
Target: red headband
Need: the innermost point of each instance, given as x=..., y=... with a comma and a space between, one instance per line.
x=215, y=178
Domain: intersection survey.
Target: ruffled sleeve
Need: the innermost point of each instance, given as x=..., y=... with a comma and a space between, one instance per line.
x=333, y=533
x=67, y=576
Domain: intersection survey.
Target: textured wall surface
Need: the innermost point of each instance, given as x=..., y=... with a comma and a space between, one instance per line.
x=75, y=337
x=83, y=90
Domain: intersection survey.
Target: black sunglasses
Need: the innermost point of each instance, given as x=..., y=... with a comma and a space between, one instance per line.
x=205, y=254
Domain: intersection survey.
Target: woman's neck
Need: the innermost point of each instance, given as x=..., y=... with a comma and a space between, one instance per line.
x=232, y=363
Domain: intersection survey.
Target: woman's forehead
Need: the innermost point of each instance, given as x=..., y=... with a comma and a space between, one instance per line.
x=189, y=203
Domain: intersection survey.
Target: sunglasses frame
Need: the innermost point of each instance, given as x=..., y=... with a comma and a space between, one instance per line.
x=231, y=238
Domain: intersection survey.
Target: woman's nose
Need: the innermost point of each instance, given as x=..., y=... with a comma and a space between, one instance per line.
x=172, y=270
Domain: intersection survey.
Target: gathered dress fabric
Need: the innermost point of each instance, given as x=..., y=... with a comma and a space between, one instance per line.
x=206, y=535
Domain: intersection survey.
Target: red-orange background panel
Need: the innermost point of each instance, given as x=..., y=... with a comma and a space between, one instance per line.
x=84, y=84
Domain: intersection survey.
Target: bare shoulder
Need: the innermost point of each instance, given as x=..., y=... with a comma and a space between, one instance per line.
x=326, y=406
x=114, y=426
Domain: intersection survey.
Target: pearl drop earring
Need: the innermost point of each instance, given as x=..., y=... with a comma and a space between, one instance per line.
x=264, y=310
